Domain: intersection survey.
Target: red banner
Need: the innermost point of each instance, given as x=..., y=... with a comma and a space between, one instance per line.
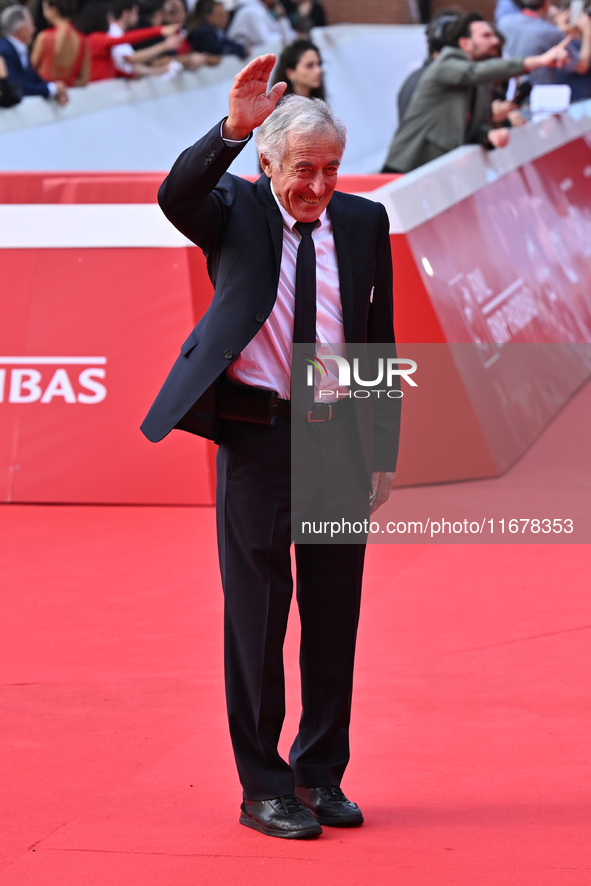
x=100, y=291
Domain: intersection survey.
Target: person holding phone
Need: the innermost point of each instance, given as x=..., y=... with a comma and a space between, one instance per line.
x=529, y=32
x=579, y=79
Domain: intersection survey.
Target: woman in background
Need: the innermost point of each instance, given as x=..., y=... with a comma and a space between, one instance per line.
x=300, y=66
x=61, y=52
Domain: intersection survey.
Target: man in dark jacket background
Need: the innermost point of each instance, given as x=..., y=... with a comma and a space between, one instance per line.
x=16, y=23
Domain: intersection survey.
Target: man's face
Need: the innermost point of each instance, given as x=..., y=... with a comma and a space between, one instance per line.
x=26, y=31
x=482, y=43
x=130, y=17
x=218, y=17
x=307, y=176
x=174, y=13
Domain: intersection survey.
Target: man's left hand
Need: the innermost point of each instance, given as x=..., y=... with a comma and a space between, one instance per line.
x=381, y=484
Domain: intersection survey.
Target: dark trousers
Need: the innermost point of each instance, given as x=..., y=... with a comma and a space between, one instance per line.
x=254, y=540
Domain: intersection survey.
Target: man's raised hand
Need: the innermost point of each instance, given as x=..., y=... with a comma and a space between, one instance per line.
x=555, y=57
x=249, y=102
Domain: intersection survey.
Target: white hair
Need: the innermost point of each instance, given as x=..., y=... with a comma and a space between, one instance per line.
x=13, y=17
x=298, y=115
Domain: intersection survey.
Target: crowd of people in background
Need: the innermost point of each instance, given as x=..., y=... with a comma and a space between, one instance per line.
x=49, y=46
x=539, y=25
x=471, y=88
x=478, y=75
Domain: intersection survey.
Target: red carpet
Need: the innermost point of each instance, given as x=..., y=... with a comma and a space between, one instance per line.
x=471, y=721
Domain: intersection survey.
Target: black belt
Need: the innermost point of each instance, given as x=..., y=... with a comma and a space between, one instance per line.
x=261, y=406
x=318, y=411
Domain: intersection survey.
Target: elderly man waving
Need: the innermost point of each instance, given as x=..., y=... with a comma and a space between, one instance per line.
x=233, y=383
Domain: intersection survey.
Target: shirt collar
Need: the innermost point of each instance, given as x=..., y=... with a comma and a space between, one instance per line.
x=20, y=47
x=288, y=220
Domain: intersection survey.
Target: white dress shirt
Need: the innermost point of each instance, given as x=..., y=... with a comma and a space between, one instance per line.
x=253, y=24
x=120, y=53
x=265, y=362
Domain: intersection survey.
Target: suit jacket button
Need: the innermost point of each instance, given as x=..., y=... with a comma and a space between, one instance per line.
x=228, y=354
x=260, y=318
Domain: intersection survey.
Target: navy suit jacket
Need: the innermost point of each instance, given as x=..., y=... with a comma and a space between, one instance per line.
x=207, y=39
x=239, y=227
x=28, y=79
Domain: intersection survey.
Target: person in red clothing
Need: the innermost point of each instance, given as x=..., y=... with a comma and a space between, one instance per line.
x=168, y=12
x=153, y=61
x=16, y=22
x=94, y=22
x=61, y=52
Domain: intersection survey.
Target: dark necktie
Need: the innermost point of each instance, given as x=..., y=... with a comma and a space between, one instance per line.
x=304, y=321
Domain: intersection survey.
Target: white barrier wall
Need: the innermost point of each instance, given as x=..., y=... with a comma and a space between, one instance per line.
x=144, y=125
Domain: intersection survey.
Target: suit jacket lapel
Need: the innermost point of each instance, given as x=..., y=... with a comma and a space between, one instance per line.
x=342, y=242
x=266, y=199
x=17, y=57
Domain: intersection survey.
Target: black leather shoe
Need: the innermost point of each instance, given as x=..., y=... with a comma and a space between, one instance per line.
x=329, y=806
x=281, y=817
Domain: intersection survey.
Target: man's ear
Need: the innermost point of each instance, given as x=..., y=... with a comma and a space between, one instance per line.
x=266, y=166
